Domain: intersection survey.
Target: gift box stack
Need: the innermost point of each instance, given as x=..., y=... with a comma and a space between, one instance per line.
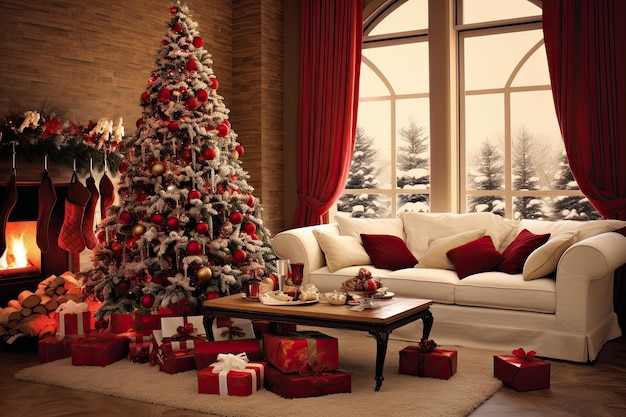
x=426, y=360
x=173, y=346
x=303, y=364
x=522, y=371
x=73, y=321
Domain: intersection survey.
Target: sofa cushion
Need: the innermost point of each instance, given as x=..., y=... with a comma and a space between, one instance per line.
x=516, y=253
x=585, y=229
x=491, y=289
x=476, y=256
x=435, y=256
x=388, y=252
x=430, y=284
x=420, y=227
x=544, y=260
x=350, y=226
x=341, y=251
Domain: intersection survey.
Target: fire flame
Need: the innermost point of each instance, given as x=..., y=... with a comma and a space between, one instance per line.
x=16, y=254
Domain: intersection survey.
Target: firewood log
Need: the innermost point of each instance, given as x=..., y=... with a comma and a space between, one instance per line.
x=40, y=309
x=49, y=303
x=28, y=299
x=60, y=290
x=75, y=294
x=26, y=311
x=61, y=299
x=9, y=314
x=50, y=291
x=15, y=304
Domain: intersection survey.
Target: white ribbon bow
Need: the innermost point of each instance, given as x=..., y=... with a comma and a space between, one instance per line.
x=229, y=362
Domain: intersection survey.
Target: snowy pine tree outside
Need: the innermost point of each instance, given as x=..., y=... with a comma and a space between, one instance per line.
x=186, y=226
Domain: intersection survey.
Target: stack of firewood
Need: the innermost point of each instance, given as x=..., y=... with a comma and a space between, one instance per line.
x=31, y=314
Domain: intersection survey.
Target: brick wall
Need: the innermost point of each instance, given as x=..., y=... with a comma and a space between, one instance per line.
x=91, y=59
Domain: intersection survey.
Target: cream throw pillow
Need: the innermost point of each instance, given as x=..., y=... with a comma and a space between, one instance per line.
x=341, y=251
x=350, y=226
x=544, y=260
x=435, y=256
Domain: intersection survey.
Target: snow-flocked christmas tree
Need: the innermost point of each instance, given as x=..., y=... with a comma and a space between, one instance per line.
x=186, y=226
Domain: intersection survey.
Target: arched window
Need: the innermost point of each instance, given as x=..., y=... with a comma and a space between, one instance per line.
x=505, y=152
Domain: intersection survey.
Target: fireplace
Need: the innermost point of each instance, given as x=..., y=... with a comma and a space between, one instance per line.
x=23, y=265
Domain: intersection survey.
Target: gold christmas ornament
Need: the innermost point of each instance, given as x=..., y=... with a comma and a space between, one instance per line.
x=157, y=169
x=204, y=273
x=139, y=229
x=235, y=154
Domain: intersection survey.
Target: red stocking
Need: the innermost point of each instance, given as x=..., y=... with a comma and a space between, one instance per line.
x=71, y=236
x=90, y=211
x=10, y=198
x=107, y=196
x=47, y=200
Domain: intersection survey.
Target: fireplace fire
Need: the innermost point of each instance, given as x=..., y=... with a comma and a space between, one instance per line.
x=22, y=255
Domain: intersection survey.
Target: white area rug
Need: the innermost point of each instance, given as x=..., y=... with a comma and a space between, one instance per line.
x=400, y=395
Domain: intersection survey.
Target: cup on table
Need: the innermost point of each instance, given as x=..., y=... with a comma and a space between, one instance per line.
x=282, y=271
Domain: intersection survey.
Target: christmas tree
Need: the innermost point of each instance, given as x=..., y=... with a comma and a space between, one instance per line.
x=186, y=227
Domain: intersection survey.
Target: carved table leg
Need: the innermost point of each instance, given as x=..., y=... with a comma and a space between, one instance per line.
x=382, y=337
x=427, y=320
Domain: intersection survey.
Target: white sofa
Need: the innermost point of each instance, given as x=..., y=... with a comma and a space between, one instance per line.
x=567, y=313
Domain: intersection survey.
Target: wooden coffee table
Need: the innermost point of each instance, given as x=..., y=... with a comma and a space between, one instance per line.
x=379, y=322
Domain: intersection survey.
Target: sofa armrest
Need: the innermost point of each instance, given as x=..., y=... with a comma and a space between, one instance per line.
x=300, y=245
x=584, y=281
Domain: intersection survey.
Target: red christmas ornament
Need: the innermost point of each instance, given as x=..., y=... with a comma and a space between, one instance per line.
x=172, y=223
x=194, y=248
x=130, y=243
x=145, y=97
x=214, y=83
x=222, y=130
x=194, y=194
x=122, y=167
x=147, y=278
x=173, y=10
x=191, y=65
x=164, y=94
x=140, y=122
x=239, y=149
x=173, y=126
x=202, y=95
x=250, y=201
x=165, y=42
x=212, y=295
x=157, y=218
x=177, y=28
x=202, y=228
x=236, y=217
x=116, y=247
x=198, y=42
x=249, y=228
x=227, y=123
x=122, y=287
x=191, y=103
x=187, y=155
x=101, y=237
x=239, y=256
x=147, y=300
x=126, y=217
x=100, y=324
x=253, y=236
x=209, y=154
x=160, y=278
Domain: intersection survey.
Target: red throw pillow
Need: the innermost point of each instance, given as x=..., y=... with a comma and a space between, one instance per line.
x=388, y=252
x=518, y=251
x=476, y=256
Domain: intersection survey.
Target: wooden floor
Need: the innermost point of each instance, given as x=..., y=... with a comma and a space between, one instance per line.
x=589, y=390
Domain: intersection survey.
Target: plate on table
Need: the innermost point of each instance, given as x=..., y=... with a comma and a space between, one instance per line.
x=271, y=301
x=384, y=296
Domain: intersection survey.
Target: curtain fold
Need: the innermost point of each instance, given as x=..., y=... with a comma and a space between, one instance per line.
x=330, y=61
x=586, y=48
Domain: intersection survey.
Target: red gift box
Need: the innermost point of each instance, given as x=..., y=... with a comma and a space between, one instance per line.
x=72, y=319
x=440, y=363
x=139, y=352
x=51, y=348
x=121, y=323
x=227, y=328
x=294, y=351
x=179, y=361
x=99, y=350
x=206, y=353
x=521, y=371
x=145, y=323
x=175, y=345
x=300, y=386
x=237, y=382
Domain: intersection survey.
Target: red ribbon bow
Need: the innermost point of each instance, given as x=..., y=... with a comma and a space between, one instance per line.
x=427, y=346
x=527, y=356
x=183, y=332
x=232, y=332
x=317, y=369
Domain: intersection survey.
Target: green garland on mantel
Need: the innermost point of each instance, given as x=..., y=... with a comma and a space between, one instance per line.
x=32, y=135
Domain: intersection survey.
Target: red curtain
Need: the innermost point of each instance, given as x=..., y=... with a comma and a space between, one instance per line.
x=586, y=47
x=330, y=61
